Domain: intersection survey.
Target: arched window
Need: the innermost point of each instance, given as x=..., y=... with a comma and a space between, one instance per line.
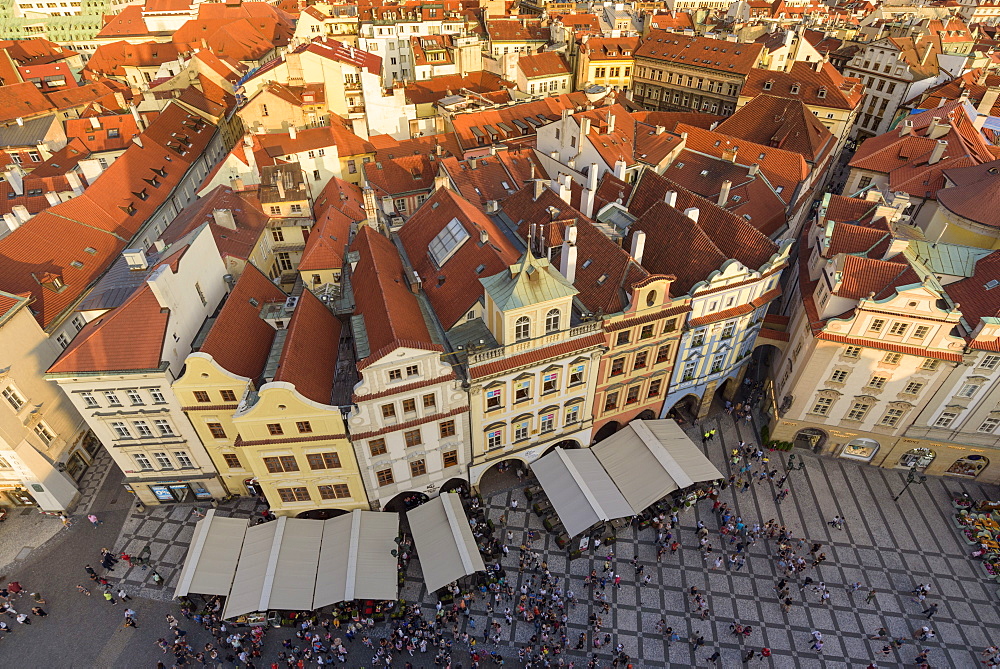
x=552, y=321
x=522, y=328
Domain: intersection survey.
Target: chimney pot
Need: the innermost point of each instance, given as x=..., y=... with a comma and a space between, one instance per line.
x=692, y=213
x=724, y=193
x=638, y=245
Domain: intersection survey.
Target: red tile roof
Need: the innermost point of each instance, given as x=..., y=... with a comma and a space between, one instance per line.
x=671, y=119
x=845, y=209
x=549, y=108
x=309, y=357
x=862, y=277
x=327, y=241
x=278, y=144
x=387, y=146
x=512, y=30
x=872, y=241
x=56, y=240
x=610, y=48
x=440, y=86
x=888, y=346
x=975, y=299
x=454, y=288
x=838, y=91
x=235, y=244
x=113, y=132
x=395, y=177
x=975, y=192
x=480, y=180
x=705, y=52
x=240, y=340
x=343, y=196
x=545, y=64
x=111, y=59
x=382, y=296
x=22, y=100
x=129, y=337
x=781, y=123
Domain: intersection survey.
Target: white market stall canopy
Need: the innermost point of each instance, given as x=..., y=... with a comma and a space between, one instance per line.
x=623, y=474
x=212, y=556
x=579, y=488
x=445, y=544
x=292, y=564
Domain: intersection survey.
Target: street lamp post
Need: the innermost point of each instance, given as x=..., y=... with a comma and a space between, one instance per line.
x=911, y=477
x=792, y=466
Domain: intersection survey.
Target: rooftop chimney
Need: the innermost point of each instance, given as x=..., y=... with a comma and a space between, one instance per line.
x=611, y=122
x=906, y=128
x=584, y=127
x=671, y=198
x=52, y=198
x=620, y=169
x=985, y=105
x=224, y=218
x=724, y=193
x=638, y=245
x=280, y=183
x=937, y=129
x=589, y=193
x=136, y=259
x=729, y=153
x=539, y=187
x=692, y=213
x=753, y=170
x=292, y=132
x=937, y=153
x=567, y=259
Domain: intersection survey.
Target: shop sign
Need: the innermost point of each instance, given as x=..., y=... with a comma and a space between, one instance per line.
x=162, y=493
x=844, y=435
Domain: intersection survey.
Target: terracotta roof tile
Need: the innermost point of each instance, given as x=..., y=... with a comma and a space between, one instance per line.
x=838, y=91
x=388, y=147
x=240, y=339
x=545, y=64
x=395, y=177
x=975, y=299
x=512, y=30
x=482, y=179
x=454, y=287
x=781, y=123
x=522, y=119
x=705, y=52
x=845, y=209
x=975, y=193
x=22, y=100
x=871, y=241
x=327, y=241
x=309, y=358
x=862, y=276
x=888, y=346
x=537, y=355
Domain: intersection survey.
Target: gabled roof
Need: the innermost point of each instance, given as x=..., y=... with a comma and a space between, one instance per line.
x=521, y=118
x=975, y=193
x=248, y=216
x=610, y=48
x=781, y=123
x=691, y=251
x=868, y=240
x=482, y=179
x=545, y=64
x=382, y=297
x=327, y=241
x=309, y=357
x=838, y=91
x=240, y=340
x=395, y=177
x=129, y=337
x=863, y=276
x=278, y=144
x=441, y=86
x=513, y=30
x=22, y=100
x=705, y=52
x=453, y=287
x=978, y=301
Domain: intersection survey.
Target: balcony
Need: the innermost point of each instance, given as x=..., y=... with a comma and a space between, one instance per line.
x=516, y=348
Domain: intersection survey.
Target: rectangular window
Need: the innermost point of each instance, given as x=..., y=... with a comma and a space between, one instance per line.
x=121, y=430
x=945, y=419
x=611, y=401
x=384, y=477
x=689, y=369
x=232, y=460
x=134, y=397
x=166, y=430
x=447, y=429
x=492, y=399
x=717, y=362
x=493, y=439
x=989, y=425
x=298, y=494
x=640, y=360
x=877, y=382
x=930, y=364
x=968, y=390
x=892, y=358
x=142, y=429
x=550, y=382
x=521, y=431
x=323, y=460
x=876, y=325
x=891, y=417
x=228, y=396
x=429, y=401
x=654, y=387
x=335, y=491
x=201, y=396
x=395, y=374
x=377, y=447
x=412, y=370
x=112, y=398
x=418, y=468
x=388, y=411
x=184, y=460
x=303, y=426
x=852, y=352
x=670, y=325
x=822, y=406
x=617, y=366
x=275, y=429
x=143, y=462
x=44, y=433
x=572, y=414
x=412, y=438
x=162, y=461
x=88, y=400
x=858, y=411
x=449, y=458
x=576, y=375
x=913, y=387
x=646, y=332
x=632, y=396
x=623, y=338
x=990, y=362
x=663, y=354
x=13, y=398
x=409, y=405
x=728, y=330
x=898, y=329
x=157, y=396
x=920, y=332
x=698, y=338
x=838, y=376
x=548, y=422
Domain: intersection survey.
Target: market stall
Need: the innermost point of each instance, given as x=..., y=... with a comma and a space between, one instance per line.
x=445, y=544
x=211, y=559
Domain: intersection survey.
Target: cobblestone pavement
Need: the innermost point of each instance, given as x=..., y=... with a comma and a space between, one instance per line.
x=886, y=545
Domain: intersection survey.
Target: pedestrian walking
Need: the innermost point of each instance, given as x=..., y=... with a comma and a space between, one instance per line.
x=23, y=619
x=930, y=611
x=38, y=598
x=94, y=520
x=122, y=595
x=65, y=520
x=90, y=572
x=110, y=598
x=38, y=611
x=82, y=589
x=871, y=596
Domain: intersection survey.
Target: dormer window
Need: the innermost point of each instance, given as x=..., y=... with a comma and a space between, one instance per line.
x=795, y=89
x=821, y=93
x=522, y=328
x=768, y=84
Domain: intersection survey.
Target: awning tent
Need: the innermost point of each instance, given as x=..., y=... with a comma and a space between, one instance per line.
x=579, y=488
x=356, y=560
x=212, y=556
x=649, y=459
x=444, y=540
x=296, y=564
x=622, y=475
